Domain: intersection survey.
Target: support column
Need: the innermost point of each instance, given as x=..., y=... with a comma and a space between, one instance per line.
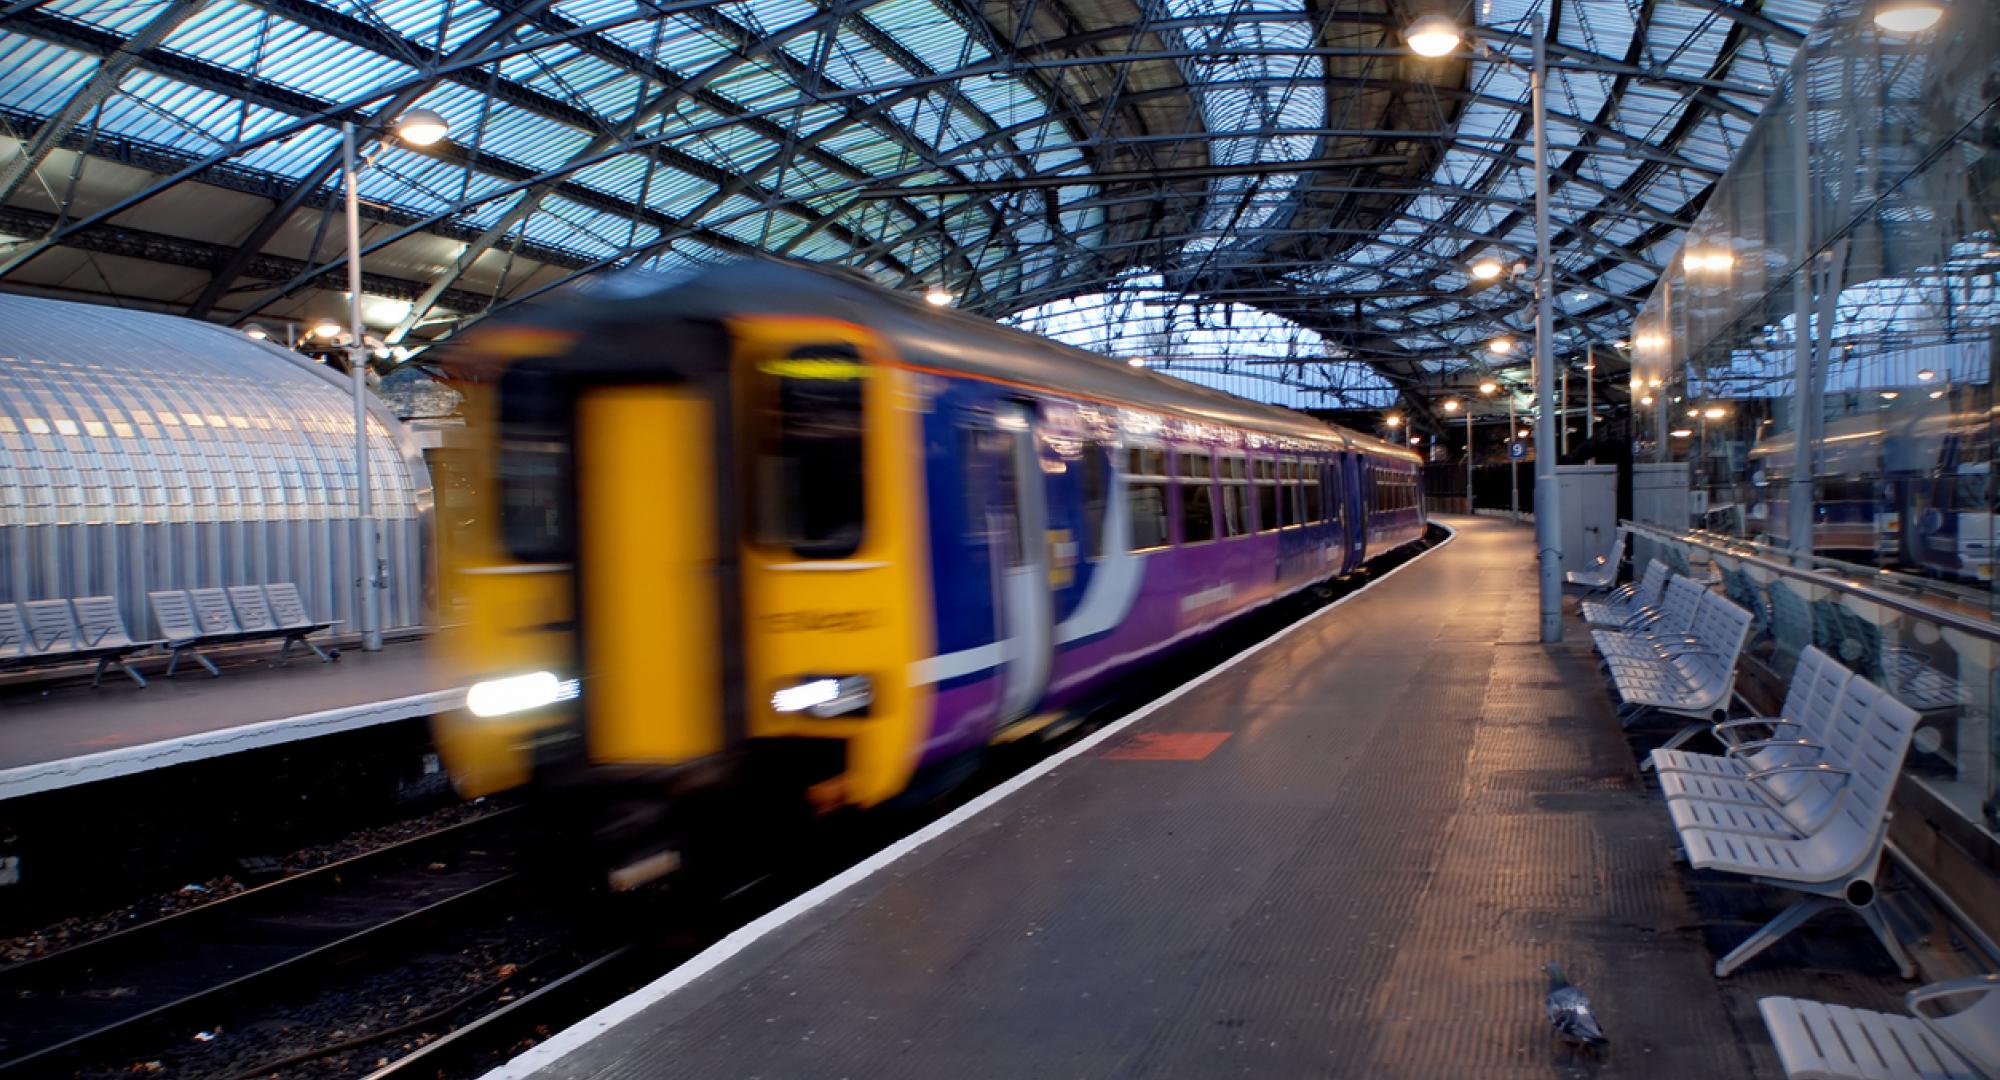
x=1548, y=500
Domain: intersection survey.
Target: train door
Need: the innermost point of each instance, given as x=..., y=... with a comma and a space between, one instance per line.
x=1019, y=517
x=1357, y=510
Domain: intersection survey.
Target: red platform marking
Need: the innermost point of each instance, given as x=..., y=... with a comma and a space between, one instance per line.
x=1169, y=746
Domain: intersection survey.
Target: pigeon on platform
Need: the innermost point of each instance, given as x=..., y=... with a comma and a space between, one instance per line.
x=1570, y=1011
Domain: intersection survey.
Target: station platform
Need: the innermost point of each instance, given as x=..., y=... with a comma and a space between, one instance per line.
x=70, y=733
x=1347, y=853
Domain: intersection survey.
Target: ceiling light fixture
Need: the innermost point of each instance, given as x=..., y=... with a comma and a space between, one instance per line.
x=421, y=127
x=1907, y=16
x=937, y=296
x=1487, y=269
x=1432, y=36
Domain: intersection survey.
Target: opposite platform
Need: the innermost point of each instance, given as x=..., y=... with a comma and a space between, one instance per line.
x=74, y=733
x=1347, y=854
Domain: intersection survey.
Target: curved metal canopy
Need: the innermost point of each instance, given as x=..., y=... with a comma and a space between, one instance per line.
x=1288, y=156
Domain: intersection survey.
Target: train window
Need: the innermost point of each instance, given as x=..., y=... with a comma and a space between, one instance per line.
x=809, y=490
x=1005, y=509
x=1309, y=475
x=1094, y=483
x=535, y=464
x=1197, y=509
x=1146, y=497
x=1235, y=496
x=1329, y=492
x=1267, y=494
x=1294, y=495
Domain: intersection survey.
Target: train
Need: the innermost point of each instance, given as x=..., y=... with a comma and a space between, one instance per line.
x=1906, y=486
x=772, y=535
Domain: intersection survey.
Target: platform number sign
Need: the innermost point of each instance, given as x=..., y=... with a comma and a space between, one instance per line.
x=1517, y=450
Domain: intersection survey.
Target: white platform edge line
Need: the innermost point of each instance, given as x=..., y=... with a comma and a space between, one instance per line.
x=109, y=764
x=567, y=1041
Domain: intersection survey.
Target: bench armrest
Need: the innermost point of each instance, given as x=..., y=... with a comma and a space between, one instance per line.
x=1746, y=721
x=1688, y=650
x=1644, y=617
x=1814, y=767
x=1740, y=749
x=1971, y=984
x=1726, y=731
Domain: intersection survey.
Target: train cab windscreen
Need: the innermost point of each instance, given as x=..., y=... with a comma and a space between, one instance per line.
x=809, y=491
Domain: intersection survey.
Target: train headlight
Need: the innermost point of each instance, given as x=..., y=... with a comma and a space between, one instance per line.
x=825, y=697
x=518, y=693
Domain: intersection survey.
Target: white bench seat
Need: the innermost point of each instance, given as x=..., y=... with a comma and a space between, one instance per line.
x=1603, y=570
x=1826, y=841
x=1817, y=1041
x=1815, y=691
x=1693, y=681
x=1628, y=600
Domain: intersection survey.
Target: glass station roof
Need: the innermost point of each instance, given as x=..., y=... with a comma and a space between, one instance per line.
x=1282, y=165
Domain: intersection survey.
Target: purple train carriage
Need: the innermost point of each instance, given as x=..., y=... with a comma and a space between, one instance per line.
x=776, y=533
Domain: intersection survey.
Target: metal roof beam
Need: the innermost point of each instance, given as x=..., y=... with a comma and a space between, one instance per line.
x=103, y=82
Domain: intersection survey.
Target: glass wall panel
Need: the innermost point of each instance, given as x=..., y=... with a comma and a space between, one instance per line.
x=1818, y=354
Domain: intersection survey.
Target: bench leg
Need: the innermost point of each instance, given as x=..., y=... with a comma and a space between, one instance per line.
x=1679, y=740
x=190, y=650
x=301, y=639
x=105, y=662
x=1787, y=921
x=1872, y=915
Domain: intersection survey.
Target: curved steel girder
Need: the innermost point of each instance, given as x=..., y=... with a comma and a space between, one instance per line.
x=1563, y=56
x=605, y=133
x=1372, y=268
x=1568, y=170
x=101, y=85
x=253, y=245
x=765, y=113
x=907, y=87
x=828, y=23
x=1072, y=283
x=484, y=49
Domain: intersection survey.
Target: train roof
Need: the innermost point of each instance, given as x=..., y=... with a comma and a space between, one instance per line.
x=949, y=340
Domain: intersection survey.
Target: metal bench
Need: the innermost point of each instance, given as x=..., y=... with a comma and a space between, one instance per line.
x=179, y=629
x=1603, y=571
x=256, y=614
x=103, y=635
x=1697, y=680
x=43, y=633
x=1659, y=633
x=1628, y=600
x=1833, y=859
x=1816, y=1041
x=1808, y=709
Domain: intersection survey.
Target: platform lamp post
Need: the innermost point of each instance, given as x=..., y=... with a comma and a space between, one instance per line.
x=1452, y=405
x=419, y=127
x=1435, y=35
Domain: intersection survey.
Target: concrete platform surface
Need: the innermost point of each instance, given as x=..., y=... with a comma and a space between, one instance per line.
x=1347, y=855
x=73, y=733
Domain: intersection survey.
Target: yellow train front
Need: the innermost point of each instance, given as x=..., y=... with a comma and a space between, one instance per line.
x=686, y=582
x=773, y=540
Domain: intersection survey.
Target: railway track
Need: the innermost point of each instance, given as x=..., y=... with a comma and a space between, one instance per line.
x=92, y=1001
